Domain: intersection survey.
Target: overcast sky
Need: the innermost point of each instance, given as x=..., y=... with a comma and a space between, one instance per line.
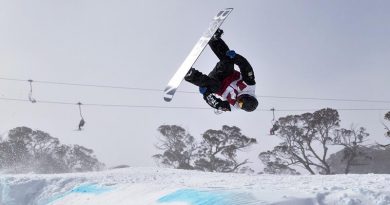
x=303, y=48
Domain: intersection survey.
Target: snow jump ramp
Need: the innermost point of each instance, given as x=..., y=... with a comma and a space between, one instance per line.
x=157, y=186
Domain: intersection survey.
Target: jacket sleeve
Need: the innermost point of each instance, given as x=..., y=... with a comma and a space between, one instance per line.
x=246, y=69
x=216, y=103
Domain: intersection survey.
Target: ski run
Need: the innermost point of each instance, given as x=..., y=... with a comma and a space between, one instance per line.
x=160, y=186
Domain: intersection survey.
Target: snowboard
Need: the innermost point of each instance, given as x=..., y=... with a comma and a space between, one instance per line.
x=178, y=77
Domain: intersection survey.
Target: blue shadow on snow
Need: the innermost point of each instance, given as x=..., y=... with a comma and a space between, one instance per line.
x=203, y=197
x=83, y=189
x=90, y=189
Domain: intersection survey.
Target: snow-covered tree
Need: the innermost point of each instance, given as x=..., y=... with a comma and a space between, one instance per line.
x=375, y=160
x=178, y=147
x=387, y=117
x=275, y=165
x=14, y=151
x=351, y=140
x=305, y=140
x=218, y=150
x=387, y=128
x=27, y=150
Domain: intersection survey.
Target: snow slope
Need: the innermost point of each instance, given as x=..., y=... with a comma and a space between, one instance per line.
x=157, y=186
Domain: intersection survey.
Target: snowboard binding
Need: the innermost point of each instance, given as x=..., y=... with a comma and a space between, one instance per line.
x=218, y=34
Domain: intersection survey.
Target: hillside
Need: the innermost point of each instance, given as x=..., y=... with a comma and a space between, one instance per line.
x=374, y=160
x=157, y=186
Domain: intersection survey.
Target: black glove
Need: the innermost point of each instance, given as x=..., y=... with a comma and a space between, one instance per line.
x=224, y=106
x=216, y=102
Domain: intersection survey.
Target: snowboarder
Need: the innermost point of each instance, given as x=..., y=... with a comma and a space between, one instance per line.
x=233, y=88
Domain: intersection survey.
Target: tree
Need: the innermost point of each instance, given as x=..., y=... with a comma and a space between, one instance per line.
x=80, y=159
x=276, y=165
x=15, y=150
x=178, y=147
x=351, y=140
x=41, y=143
x=305, y=140
x=376, y=160
x=387, y=134
x=218, y=150
x=28, y=150
x=387, y=117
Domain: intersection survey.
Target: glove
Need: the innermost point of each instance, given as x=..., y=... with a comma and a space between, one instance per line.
x=231, y=54
x=224, y=106
x=216, y=102
x=203, y=90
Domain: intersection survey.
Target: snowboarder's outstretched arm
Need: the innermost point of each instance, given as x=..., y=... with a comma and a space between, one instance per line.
x=215, y=102
x=245, y=68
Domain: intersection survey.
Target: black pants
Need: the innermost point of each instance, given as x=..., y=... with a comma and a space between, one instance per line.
x=224, y=68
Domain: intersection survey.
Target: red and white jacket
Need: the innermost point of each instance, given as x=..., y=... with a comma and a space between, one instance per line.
x=234, y=86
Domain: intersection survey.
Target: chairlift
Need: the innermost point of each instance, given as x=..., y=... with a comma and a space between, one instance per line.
x=82, y=121
x=275, y=124
x=30, y=97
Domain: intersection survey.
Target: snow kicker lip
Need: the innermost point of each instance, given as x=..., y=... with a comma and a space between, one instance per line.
x=91, y=189
x=82, y=189
x=208, y=197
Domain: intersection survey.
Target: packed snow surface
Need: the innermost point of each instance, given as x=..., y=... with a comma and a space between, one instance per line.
x=158, y=186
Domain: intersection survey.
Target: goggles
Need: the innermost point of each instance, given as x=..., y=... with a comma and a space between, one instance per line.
x=240, y=103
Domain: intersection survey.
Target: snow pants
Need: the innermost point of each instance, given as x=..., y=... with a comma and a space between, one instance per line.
x=222, y=69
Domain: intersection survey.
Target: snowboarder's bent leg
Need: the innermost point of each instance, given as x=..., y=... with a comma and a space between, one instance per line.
x=197, y=78
x=222, y=70
x=219, y=47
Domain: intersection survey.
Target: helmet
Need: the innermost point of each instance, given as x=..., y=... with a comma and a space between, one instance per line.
x=247, y=102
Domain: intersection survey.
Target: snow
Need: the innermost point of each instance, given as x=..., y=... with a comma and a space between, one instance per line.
x=159, y=186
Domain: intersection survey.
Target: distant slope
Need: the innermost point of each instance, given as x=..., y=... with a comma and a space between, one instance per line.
x=376, y=161
x=156, y=186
